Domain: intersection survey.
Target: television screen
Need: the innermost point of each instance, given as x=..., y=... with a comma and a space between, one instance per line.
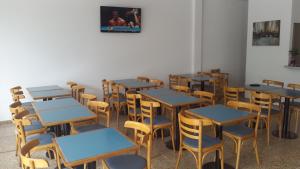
x=120, y=19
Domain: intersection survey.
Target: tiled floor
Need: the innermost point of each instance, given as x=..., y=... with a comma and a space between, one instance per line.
x=281, y=154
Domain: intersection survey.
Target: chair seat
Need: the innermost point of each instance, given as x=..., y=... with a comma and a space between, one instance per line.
x=126, y=162
x=43, y=138
x=158, y=120
x=36, y=125
x=86, y=128
x=264, y=112
x=239, y=130
x=207, y=141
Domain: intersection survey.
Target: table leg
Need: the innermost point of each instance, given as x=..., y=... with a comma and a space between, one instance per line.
x=202, y=85
x=217, y=163
x=176, y=132
x=286, y=134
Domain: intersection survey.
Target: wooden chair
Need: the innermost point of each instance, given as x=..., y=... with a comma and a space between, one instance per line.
x=206, y=98
x=71, y=84
x=295, y=105
x=118, y=100
x=143, y=79
x=101, y=109
x=156, y=122
x=233, y=94
x=142, y=137
x=194, y=141
x=106, y=90
x=134, y=112
x=215, y=70
x=273, y=83
x=158, y=83
x=267, y=112
x=31, y=163
x=173, y=80
x=85, y=98
x=77, y=90
x=45, y=139
x=240, y=133
x=218, y=83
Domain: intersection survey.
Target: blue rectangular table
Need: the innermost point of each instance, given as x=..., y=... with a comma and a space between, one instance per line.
x=55, y=104
x=220, y=115
x=91, y=146
x=49, y=94
x=134, y=84
x=64, y=115
x=196, y=78
x=172, y=99
x=43, y=88
x=282, y=92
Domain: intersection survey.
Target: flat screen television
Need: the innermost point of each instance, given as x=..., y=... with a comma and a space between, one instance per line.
x=120, y=19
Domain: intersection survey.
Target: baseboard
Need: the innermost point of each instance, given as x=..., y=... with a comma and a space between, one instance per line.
x=5, y=122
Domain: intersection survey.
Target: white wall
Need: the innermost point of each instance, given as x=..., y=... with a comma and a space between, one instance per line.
x=224, y=37
x=267, y=62
x=53, y=41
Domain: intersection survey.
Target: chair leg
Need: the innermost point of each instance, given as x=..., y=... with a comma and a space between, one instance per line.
x=268, y=131
x=172, y=138
x=256, y=151
x=17, y=146
x=200, y=163
x=178, y=158
x=238, y=154
x=297, y=118
x=162, y=135
x=222, y=157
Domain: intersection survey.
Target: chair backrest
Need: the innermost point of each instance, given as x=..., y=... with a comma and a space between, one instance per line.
x=204, y=73
x=85, y=97
x=77, y=90
x=180, y=88
x=232, y=93
x=71, y=84
x=173, y=80
x=294, y=86
x=206, y=98
x=100, y=109
x=106, y=89
x=192, y=128
x=157, y=82
x=147, y=110
x=20, y=122
x=273, y=83
x=143, y=79
x=15, y=89
x=131, y=100
x=142, y=136
x=31, y=163
x=263, y=100
x=249, y=107
x=115, y=92
x=183, y=81
x=16, y=108
x=215, y=70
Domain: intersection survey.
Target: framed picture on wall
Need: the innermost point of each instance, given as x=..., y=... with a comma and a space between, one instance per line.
x=266, y=33
x=120, y=19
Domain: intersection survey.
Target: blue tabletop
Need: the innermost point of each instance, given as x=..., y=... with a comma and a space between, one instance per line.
x=283, y=92
x=97, y=143
x=64, y=115
x=134, y=83
x=170, y=97
x=221, y=115
x=42, y=88
x=54, y=104
x=50, y=93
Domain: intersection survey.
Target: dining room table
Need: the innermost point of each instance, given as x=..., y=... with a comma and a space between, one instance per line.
x=48, y=92
x=196, y=78
x=134, y=84
x=288, y=95
x=174, y=100
x=221, y=116
x=91, y=146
